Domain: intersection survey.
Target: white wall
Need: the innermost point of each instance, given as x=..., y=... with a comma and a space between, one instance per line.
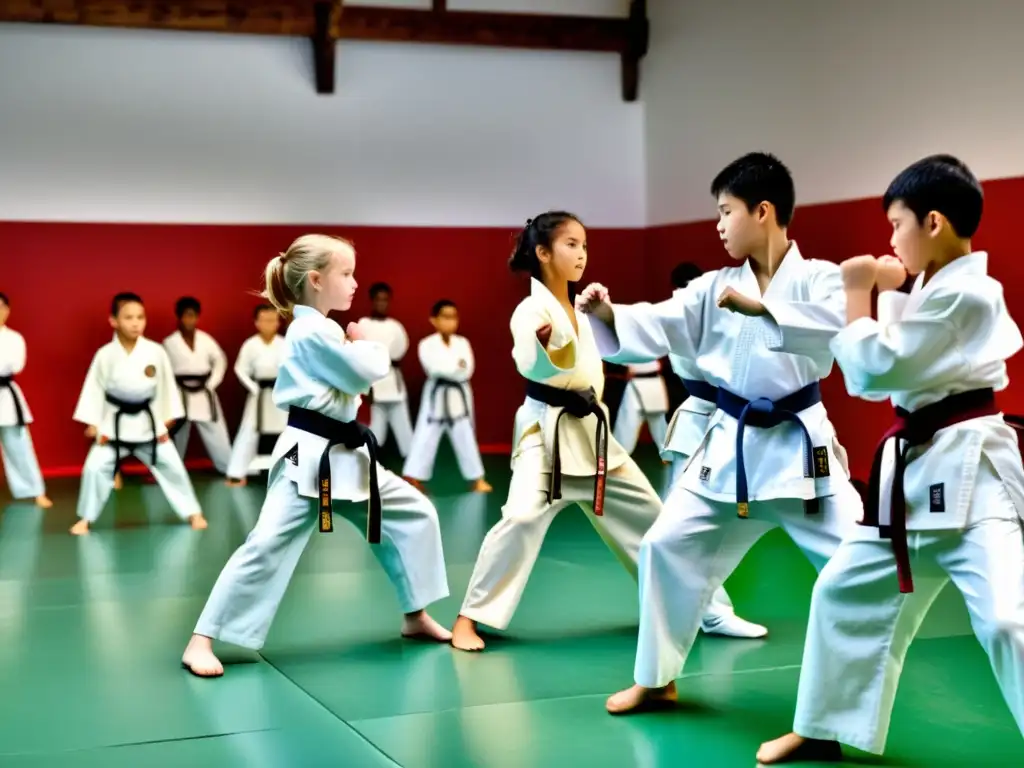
x=846, y=92
x=114, y=125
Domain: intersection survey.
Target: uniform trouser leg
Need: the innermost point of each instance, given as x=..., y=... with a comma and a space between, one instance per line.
x=694, y=546
x=243, y=451
x=510, y=549
x=20, y=463
x=419, y=464
x=214, y=435
x=467, y=452
x=628, y=420
x=247, y=594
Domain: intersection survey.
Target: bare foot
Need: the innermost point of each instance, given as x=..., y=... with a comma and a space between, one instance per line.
x=43, y=501
x=420, y=626
x=640, y=699
x=481, y=486
x=464, y=636
x=415, y=484
x=199, y=659
x=80, y=528
x=118, y=482
x=793, y=748
x=198, y=522
x=232, y=482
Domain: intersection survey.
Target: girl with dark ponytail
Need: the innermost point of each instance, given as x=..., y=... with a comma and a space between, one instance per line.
x=562, y=451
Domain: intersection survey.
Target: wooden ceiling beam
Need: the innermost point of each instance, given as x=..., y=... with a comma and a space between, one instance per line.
x=325, y=21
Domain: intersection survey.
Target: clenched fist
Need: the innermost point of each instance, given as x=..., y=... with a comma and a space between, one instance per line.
x=595, y=300
x=859, y=273
x=734, y=301
x=891, y=273
x=354, y=333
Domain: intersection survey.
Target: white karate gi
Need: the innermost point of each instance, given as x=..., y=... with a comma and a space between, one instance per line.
x=510, y=548
x=445, y=410
x=206, y=359
x=20, y=463
x=699, y=539
x=324, y=372
x=645, y=399
x=257, y=362
x=965, y=497
x=389, y=406
x=144, y=374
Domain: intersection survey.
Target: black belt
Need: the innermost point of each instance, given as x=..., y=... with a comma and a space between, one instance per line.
x=578, y=404
x=765, y=414
x=7, y=382
x=352, y=435
x=194, y=384
x=701, y=390
x=442, y=387
x=131, y=409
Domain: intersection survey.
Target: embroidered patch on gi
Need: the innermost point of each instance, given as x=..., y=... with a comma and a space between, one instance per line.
x=293, y=455
x=937, y=498
x=705, y=474
x=821, y=461
x=150, y=371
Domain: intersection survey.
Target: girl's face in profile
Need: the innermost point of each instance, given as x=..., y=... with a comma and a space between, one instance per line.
x=567, y=258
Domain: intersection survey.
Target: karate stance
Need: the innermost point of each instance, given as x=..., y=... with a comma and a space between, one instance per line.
x=199, y=366
x=389, y=398
x=759, y=334
x=21, y=466
x=262, y=421
x=447, y=403
x=321, y=380
x=947, y=486
x=645, y=399
x=563, y=452
x=127, y=403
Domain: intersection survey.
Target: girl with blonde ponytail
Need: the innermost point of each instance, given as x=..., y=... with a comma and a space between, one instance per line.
x=323, y=455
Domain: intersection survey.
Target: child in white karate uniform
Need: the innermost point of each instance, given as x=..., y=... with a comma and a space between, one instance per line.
x=645, y=399
x=21, y=466
x=262, y=421
x=127, y=403
x=446, y=406
x=321, y=381
x=947, y=487
x=199, y=366
x=562, y=450
x=389, y=397
x=759, y=334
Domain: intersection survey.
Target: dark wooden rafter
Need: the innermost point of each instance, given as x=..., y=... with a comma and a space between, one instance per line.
x=325, y=22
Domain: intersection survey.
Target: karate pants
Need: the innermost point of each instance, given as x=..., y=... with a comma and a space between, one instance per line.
x=860, y=626
x=630, y=419
x=20, y=463
x=169, y=471
x=396, y=416
x=419, y=464
x=693, y=547
x=510, y=548
x=249, y=590
x=243, y=451
x=215, y=438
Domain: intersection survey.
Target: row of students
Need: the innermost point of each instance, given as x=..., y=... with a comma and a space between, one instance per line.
x=755, y=339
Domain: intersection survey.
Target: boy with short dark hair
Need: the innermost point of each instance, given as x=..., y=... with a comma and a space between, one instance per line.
x=447, y=402
x=947, y=485
x=127, y=403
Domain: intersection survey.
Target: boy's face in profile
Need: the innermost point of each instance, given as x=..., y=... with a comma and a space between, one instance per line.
x=740, y=229
x=912, y=242
x=447, y=321
x=130, y=321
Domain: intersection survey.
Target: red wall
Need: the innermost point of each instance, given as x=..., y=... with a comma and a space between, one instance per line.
x=836, y=231
x=61, y=277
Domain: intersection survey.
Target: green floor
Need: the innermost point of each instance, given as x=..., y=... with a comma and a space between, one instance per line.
x=91, y=631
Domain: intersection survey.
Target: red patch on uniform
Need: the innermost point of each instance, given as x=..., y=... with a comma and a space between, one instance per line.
x=150, y=371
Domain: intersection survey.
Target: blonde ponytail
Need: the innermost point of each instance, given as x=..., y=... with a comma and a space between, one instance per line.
x=285, y=274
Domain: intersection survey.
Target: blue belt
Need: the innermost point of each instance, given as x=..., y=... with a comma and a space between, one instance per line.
x=765, y=414
x=701, y=389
